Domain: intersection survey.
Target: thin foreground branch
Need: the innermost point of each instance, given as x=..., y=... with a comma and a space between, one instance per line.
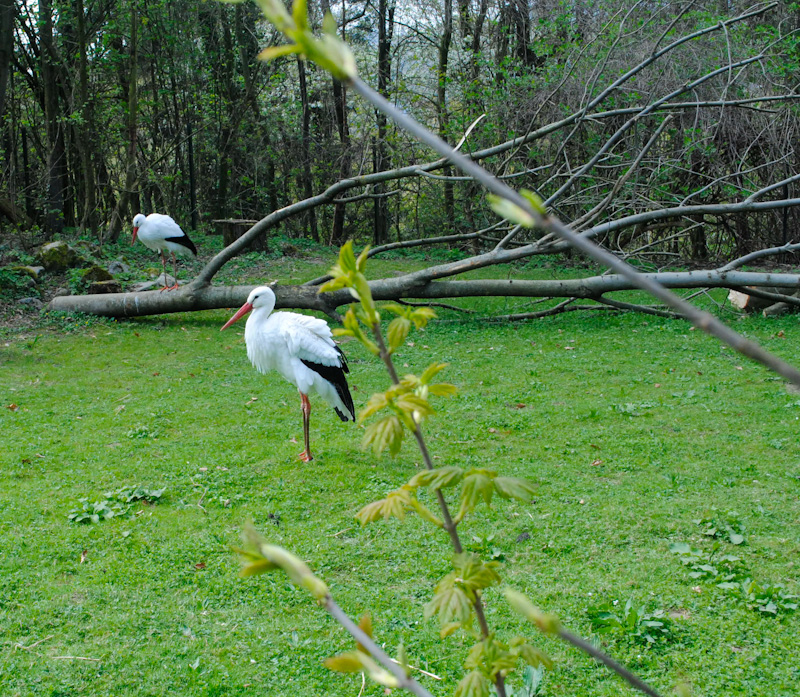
x=607, y=661
x=405, y=682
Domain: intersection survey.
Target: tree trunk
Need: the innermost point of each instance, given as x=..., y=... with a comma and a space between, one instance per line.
x=26, y=184
x=191, y=298
x=307, y=182
x=337, y=237
x=441, y=107
x=56, y=159
x=86, y=126
x=128, y=196
x=381, y=147
x=475, y=50
x=521, y=21
x=7, y=13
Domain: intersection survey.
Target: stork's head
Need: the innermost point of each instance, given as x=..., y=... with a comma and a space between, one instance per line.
x=259, y=298
x=138, y=221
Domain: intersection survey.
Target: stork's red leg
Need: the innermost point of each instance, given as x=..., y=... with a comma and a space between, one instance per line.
x=306, y=456
x=174, y=273
x=164, y=270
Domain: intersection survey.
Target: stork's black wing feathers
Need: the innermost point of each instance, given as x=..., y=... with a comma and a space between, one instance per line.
x=184, y=241
x=335, y=375
x=343, y=359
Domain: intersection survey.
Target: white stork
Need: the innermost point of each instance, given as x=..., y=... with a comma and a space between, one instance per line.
x=162, y=233
x=299, y=347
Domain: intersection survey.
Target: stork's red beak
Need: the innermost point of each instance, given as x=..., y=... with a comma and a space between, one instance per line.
x=135, y=230
x=241, y=312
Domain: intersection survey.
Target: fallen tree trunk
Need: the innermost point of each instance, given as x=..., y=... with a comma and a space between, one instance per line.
x=186, y=299
x=410, y=286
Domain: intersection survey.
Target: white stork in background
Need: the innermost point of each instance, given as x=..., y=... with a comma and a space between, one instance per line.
x=161, y=233
x=299, y=347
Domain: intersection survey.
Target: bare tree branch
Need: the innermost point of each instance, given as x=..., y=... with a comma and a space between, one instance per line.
x=633, y=307
x=747, y=258
x=600, y=207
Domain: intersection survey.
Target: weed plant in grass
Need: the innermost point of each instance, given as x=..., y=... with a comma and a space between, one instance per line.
x=634, y=428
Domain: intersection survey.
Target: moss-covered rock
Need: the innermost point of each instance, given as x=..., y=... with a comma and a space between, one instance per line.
x=102, y=287
x=33, y=271
x=58, y=256
x=96, y=273
x=15, y=282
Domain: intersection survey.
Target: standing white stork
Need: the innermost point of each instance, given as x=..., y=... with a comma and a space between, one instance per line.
x=300, y=348
x=162, y=233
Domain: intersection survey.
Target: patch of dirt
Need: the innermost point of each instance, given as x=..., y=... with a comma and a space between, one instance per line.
x=17, y=318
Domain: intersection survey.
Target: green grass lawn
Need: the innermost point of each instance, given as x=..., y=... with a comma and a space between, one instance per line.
x=632, y=427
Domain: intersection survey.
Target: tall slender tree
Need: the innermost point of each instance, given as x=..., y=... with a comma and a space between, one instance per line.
x=382, y=158
x=7, y=12
x=57, y=155
x=129, y=195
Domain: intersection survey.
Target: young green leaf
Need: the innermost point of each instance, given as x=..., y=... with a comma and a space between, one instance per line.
x=533, y=656
x=353, y=328
x=329, y=24
x=347, y=260
x=438, y=478
x=514, y=488
x=361, y=286
x=420, y=316
x=273, y=52
x=442, y=389
x=365, y=625
x=473, y=684
x=394, y=505
x=431, y=372
x=396, y=308
x=425, y=513
x=264, y=557
x=361, y=262
x=378, y=674
x=409, y=403
x=336, y=57
x=548, y=624
x=276, y=13
x=449, y=629
x=402, y=659
x=510, y=211
x=473, y=575
x=398, y=332
x=478, y=485
x=300, y=15
x=335, y=283
x=376, y=402
x=349, y=662
x=450, y=602
x=355, y=661
x=536, y=203
x=383, y=434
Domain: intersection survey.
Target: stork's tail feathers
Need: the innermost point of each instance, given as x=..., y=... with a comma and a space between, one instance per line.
x=185, y=242
x=335, y=375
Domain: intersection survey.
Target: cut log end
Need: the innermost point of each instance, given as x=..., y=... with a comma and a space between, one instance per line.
x=769, y=308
